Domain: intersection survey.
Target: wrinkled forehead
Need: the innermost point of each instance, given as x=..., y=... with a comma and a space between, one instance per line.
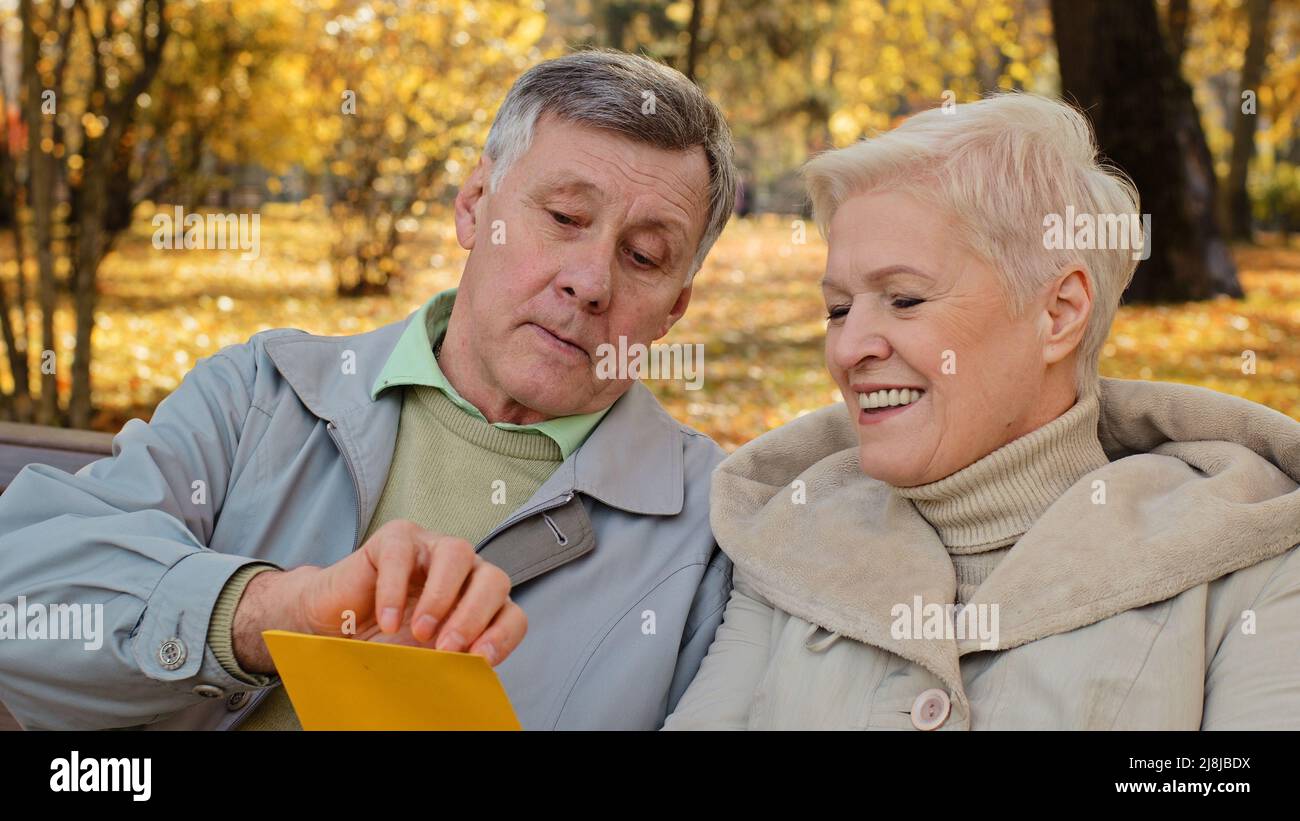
x=607, y=167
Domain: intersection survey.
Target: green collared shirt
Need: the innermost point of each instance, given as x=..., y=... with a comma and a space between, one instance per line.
x=412, y=363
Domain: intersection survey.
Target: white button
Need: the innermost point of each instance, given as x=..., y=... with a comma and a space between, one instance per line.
x=930, y=710
x=208, y=691
x=171, y=653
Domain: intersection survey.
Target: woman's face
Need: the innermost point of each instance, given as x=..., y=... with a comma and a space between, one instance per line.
x=914, y=315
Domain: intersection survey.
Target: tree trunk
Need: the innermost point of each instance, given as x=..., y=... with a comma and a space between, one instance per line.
x=616, y=19
x=1177, y=20
x=20, y=365
x=40, y=181
x=1237, y=211
x=95, y=230
x=693, y=38
x=1147, y=124
x=89, y=251
x=14, y=332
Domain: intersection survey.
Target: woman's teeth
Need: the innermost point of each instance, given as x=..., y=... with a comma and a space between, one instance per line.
x=888, y=399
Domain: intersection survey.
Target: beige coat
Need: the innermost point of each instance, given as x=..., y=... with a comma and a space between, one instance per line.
x=1173, y=605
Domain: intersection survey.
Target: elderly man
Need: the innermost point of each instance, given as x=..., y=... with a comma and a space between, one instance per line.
x=404, y=484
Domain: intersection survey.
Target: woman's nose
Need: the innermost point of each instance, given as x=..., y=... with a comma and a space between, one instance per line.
x=858, y=341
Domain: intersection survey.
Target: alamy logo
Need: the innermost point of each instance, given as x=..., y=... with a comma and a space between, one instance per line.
x=76, y=622
x=639, y=361
x=212, y=232
x=1087, y=232
x=952, y=622
x=77, y=774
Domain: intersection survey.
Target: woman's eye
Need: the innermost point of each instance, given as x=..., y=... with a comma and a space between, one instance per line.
x=563, y=219
x=906, y=302
x=837, y=312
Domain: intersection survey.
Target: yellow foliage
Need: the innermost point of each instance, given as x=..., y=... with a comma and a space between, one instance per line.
x=757, y=309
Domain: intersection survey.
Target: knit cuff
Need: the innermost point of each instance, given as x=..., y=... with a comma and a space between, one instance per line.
x=221, y=626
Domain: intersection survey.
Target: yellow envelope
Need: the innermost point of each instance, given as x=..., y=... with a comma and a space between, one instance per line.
x=346, y=684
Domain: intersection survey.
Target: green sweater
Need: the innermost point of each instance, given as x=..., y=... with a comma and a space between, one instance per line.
x=452, y=473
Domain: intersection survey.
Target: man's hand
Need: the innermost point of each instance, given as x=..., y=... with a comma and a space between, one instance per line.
x=405, y=585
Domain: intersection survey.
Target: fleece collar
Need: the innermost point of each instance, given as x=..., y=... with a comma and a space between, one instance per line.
x=1201, y=484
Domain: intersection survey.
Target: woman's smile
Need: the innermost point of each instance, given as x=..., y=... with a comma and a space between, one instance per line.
x=875, y=406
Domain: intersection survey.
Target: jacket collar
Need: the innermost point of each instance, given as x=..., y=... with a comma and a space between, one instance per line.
x=1177, y=514
x=632, y=461
x=332, y=375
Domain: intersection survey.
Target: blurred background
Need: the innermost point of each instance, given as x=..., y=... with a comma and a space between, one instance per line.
x=345, y=126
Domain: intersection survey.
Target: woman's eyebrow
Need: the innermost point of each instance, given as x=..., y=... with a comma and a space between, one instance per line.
x=873, y=276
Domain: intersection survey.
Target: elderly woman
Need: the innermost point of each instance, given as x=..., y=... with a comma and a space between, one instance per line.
x=993, y=537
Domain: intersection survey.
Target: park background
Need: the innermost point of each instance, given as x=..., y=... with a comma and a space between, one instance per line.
x=116, y=111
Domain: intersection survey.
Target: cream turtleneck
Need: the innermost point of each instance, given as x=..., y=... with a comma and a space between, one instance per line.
x=981, y=510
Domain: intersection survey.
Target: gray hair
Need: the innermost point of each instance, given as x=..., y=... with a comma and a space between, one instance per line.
x=608, y=89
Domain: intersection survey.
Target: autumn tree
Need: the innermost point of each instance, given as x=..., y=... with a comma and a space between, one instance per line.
x=798, y=78
x=1237, y=210
x=406, y=93
x=1119, y=69
x=84, y=65
x=234, y=74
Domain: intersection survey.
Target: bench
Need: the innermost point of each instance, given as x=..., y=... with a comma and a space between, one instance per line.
x=68, y=450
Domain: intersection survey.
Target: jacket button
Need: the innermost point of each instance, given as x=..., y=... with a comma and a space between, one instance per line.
x=171, y=653
x=237, y=701
x=930, y=710
x=208, y=691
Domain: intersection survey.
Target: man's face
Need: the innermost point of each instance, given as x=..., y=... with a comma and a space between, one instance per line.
x=589, y=238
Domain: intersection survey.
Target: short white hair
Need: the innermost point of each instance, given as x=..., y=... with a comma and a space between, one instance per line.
x=999, y=167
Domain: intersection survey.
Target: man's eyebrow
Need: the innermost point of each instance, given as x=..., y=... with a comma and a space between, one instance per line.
x=671, y=226
x=566, y=185
x=880, y=273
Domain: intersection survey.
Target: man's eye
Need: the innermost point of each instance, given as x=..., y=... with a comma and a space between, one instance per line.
x=837, y=312
x=563, y=219
x=641, y=259
x=906, y=302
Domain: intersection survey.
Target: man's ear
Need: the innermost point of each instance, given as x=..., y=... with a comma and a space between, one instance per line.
x=677, y=312
x=1065, y=317
x=469, y=196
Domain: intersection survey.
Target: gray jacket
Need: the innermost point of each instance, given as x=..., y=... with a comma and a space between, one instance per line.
x=274, y=451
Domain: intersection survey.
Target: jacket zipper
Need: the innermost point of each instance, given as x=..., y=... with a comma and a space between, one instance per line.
x=331, y=428
x=550, y=504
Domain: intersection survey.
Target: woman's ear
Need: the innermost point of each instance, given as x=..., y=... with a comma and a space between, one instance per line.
x=1069, y=305
x=469, y=196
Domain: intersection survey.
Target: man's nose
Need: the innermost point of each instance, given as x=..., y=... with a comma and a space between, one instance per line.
x=589, y=281
x=858, y=342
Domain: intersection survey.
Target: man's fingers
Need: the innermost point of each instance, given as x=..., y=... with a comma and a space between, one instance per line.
x=451, y=561
x=503, y=635
x=487, y=590
x=394, y=558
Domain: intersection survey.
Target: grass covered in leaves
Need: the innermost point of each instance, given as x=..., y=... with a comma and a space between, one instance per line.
x=757, y=309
